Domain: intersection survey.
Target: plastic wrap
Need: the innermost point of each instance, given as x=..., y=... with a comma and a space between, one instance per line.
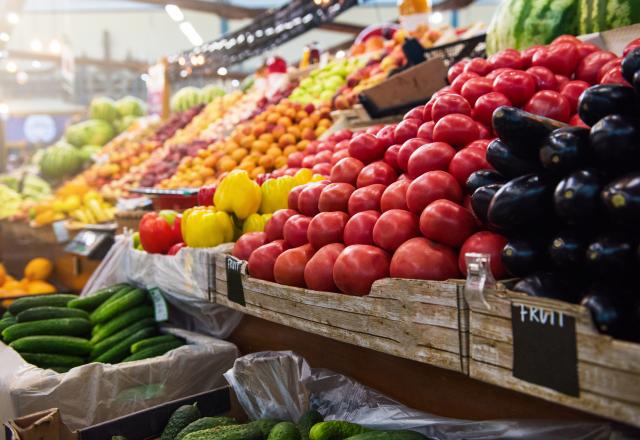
x=281, y=385
x=97, y=392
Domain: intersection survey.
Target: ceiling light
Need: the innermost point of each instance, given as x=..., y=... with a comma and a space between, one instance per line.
x=174, y=12
x=11, y=67
x=340, y=54
x=36, y=64
x=22, y=77
x=235, y=83
x=436, y=18
x=4, y=37
x=222, y=71
x=36, y=45
x=4, y=110
x=13, y=18
x=55, y=47
x=144, y=77
x=190, y=32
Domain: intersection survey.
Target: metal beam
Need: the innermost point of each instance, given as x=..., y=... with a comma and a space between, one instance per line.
x=347, y=28
x=105, y=64
x=224, y=10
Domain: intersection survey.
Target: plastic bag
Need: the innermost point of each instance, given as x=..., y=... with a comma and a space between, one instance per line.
x=281, y=385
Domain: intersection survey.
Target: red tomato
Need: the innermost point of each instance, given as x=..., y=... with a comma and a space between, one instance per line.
x=326, y=228
x=572, y=91
x=289, y=266
x=386, y=134
x=407, y=149
x=294, y=195
x=484, y=242
x=247, y=243
x=494, y=73
x=324, y=169
x=312, y=148
x=337, y=156
x=527, y=55
x=590, y=65
x=425, y=131
x=374, y=129
x=561, y=80
x=509, y=58
x=323, y=156
x=478, y=65
x=335, y=197
x=430, y=187
x=426, y=112
x=376, y=172
x=395, y=196
x=359, y=228
x=616, y=62
x=485, y=105
x=456, y=85
x=273, y=227
x=585, y=49
x=393, y=228
x=309, y=198
x=295, y=230
x=614, y=76
x=456, y=130
x=467, y=161
x=318, y=273
x=566, y=39
x=475, y=88
x=422, y=259
x=262, y=260
x=342, y=145
x=545, y=78
x=295, y=159
x=366, y=148
x=358, y=267
x=367, y=198
x=560, y=58
x=517, y=86
x=577, y=122
x=391, y=155
x=550, y=104
x=405, y=130
x=346, y=170
x=629, y=47
x=483, y=132
x=430, y=157
x=308, y=161
x=447, y=222
x=414, y=113
x=454, y=71
x=448, y=104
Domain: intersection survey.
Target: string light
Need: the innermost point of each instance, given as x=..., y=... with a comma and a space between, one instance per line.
x=22, y=78
x=190, y=32
x=11, y=67
x=222, y=71
x=13, y=18
x=55, y=47
x=174, y=12
x=36, y=64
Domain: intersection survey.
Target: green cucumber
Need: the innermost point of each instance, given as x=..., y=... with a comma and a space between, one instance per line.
x=6, y=322
x=265, y=425
x=95, y=299
x=389, y=435
x=6, y=314
x=335, y=430
x=179, y=420
x=58, y=360
x=205, y=423
x=250, y=431
x=112, y=340
x=284, y=431
x=307, y=421
x=153, y=351
x=122, y=321
x=55, y=300
x=119, y=351
x=116, y=296
x=57, y=327
x=48, y=312
x=154, y=341
x=96, y=328
x=52, y=344
x=114, y=308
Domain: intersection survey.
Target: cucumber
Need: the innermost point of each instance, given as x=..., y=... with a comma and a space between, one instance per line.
x=153, y=351
x=284, y=431
x=250, y=431
x=146, y=343
x=119, y=351
x=112, y=340
x=122, y=321
x=6, y=314
x=52, y=344
x=389, y=435
x=57, y=327
x=265, y=425
x=335, y=430
x=48, y=312
x=205, y=423
x=179, y=420
x=96, y=328
x=307, y=421
x=95, y=299
x=6, y=322
x=116, y=296
x=57, y=360
x=55, y=300
x=114, y=308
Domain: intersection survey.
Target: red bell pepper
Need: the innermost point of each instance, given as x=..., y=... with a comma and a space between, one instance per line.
x=205, y=195
x=176, y=248
x=159, y=231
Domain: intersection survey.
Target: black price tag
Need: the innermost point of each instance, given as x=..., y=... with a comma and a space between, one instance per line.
x=544, y=348
x=235, y=292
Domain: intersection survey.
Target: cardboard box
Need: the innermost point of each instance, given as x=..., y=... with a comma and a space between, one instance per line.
x=615, y=39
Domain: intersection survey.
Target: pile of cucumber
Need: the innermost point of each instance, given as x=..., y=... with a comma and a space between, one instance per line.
x=186, y=423
x=62, y=331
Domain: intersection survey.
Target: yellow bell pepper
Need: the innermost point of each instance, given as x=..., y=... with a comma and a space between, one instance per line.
x=255, y=223
x=204, y=226
x=318, y=178
x=275, y=194
x=238, y=194
x=302, y=176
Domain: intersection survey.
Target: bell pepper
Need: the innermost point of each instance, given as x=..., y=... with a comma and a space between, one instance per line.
x=302, y=176
x=159, y=231
x=176, y=248
x=205, y=195
x=204, y=226
x=275, y=193
x=255, y=223
x=238, y=194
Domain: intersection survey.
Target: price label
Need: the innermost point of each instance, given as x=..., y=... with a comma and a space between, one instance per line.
x=544, y=348
x=161, y=311
x=235, y=291
x=60, y=231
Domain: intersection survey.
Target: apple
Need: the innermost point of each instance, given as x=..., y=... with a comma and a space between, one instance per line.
x=273, y=227
x=376, y=172
x=406, y=130
x=366, y=148
x=295, y=230
x=309, y=197
x=393, y=228
x=366, y=198
x=394, y=197
x=326, y=228
x=318, y=273
x=335, y=197
x=346, y=171
x=262, y=260
x=359, y=228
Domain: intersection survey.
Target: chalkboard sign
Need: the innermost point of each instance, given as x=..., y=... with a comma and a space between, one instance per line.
x=544, y=348
x=235, y=291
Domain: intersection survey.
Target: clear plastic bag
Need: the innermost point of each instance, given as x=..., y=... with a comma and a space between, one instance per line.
x=282, y=385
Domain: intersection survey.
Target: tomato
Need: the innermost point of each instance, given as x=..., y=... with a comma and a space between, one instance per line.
x=414, y=113
x=567, y=39
x=366, y=198
x=294, y=195
x=456, y=130
x=337, y=156
x=454, y=71
x=545, y=78
x=309, y=198
x=560, y=58
x=295, y=229
x=448, y=104
x=323, y=169
x=509, y=58
x=289, y=266
x=550, y=104
x=247, y=243
x=373, y=130
x=485, y=242
x=405, y=130
x=407, y=150
x=430, y=187
x=485, y=105
x=430, y=157
x=585, y=49
x=318, y=273
x=342, y=145
x=614, y=76
x=366, y=148
x=492, y=75
x=475, y=88
x=425, y=131
x=456, y=85
x=629, y=47
x=376, y=172
x=395, y=196
x=326, y=228
x=335, y=197
x=359, y=228
x=273, y=227
x=295, y=159
x=467, y=161
x=386, y=135
x=426, y=112
x=323, y=156
x=478, y=65
x=483, y=132
x=447, y=223
x=616, y=62
x=262, y=260
x=517, y=86
x=572, y=91
x=391, y=155
x=527, y=55
x=590, y=65
x=308, y=161
x=561, y=80
x=577, y=122
x=346, y=171
x=422, y=259
x=358, y=267
x=393, y=228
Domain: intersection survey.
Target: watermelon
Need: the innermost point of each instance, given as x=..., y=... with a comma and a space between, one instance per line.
x=60, y=160
x=602, y=15
x=130, y=106
x=185, y=98
x=103, y=108
x=91, y=131
x=210, y=92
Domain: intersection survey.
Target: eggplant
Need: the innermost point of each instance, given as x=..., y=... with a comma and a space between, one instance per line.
x=577, y=197
x=481, y=199
x=610, y=255
x=605, y=99
x=567, y=250
x=565, y=150
x=501, y=157
x=549, y=285
x=615, y=143
x=524, y=202
x=636, y=82
x=522, y=131
x=621, y=199
x=522, y=257
x=631, y=64
x=481, y=178
x=607, y=314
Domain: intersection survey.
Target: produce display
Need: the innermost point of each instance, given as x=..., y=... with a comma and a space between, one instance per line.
x=188, y=97
x=20, y=189
x=34, y=281
x=323, y=83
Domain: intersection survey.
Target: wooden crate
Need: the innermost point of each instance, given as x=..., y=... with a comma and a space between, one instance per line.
x=414, y=319
x=608, y=369
x=358, y=118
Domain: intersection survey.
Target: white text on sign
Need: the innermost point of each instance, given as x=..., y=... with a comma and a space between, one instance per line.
x=541, y=316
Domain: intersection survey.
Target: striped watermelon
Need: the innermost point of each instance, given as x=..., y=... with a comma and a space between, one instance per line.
x=601, y=15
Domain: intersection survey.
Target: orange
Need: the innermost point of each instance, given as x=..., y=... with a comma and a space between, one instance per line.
x=301, y=114
x=278, y=131
x=280, y=162
x=272, y=118
x=290, y=113
x=267, y=137
x=239, y=154
x=294, y=130
x=260, y=146
x=266, y=161
x=226, y=164
x=285, y=120
x=247, y=141
x=290, y=149
x=325, y=123
x=256, y=172
x=286, y=139
x=274, y=152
